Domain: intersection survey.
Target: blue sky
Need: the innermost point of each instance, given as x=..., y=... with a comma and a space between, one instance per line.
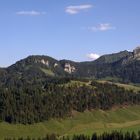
x=70, y=29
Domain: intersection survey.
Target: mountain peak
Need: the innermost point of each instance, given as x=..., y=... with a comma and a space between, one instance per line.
x=114, y=57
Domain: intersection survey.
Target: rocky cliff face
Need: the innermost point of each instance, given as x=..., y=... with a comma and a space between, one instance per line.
x=136, y=53
x=68, y=68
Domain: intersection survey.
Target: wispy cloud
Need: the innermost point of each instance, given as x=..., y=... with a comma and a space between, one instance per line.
x=102, y=27
x=30, y=13
x=93, y=56
x=77, y=8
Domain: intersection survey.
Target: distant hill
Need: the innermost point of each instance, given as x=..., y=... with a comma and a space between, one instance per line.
x=123, y=66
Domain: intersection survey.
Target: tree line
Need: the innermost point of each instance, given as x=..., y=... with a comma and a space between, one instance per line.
x=115, y=135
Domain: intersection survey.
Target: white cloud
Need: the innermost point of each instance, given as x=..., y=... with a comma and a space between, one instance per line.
x=93, y=56
x=30, y=13
x=78, y=8
x=102, y=27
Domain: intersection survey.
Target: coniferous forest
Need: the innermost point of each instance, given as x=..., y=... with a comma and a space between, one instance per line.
x=54, y=98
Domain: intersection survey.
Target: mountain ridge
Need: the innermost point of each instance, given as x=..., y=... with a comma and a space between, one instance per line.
x=124, y=65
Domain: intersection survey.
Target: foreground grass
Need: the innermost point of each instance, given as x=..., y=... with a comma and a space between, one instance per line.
x=125, y=119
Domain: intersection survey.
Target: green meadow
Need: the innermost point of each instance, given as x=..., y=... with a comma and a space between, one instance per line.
x=129, y=86
x=124, y=119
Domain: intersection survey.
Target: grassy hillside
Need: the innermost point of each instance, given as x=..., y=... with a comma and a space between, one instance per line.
x=129, y=87
x=125, y=119
x=126, y=86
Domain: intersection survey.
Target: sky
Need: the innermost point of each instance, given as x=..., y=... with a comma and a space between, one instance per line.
x=78, y=30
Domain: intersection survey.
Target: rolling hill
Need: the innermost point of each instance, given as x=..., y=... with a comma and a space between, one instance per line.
x=124, y=119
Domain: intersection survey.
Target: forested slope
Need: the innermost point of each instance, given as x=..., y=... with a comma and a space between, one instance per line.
x=53, y=98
